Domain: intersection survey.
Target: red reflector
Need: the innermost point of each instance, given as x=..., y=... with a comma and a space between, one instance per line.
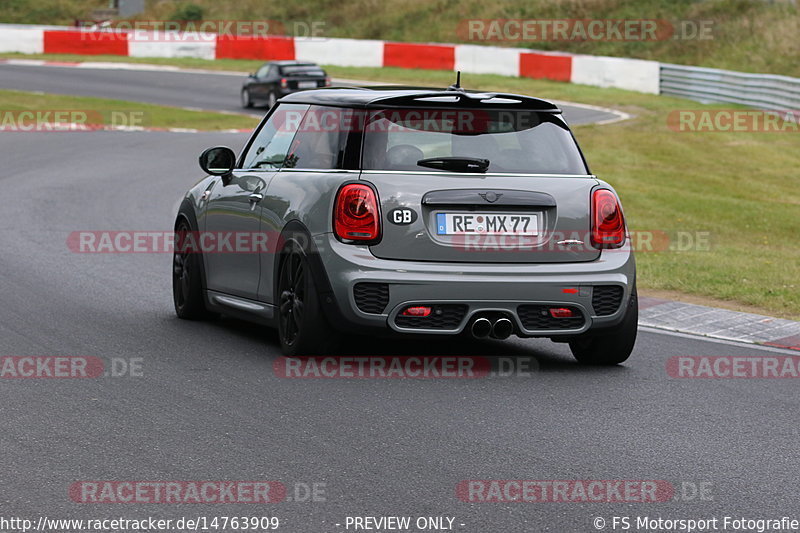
x=355, y=215
x=608, y=224
x=419, y=310
x=569, y=291
x=561, y=312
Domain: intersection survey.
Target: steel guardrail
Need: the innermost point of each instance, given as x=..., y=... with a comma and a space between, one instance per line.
x=708, y=85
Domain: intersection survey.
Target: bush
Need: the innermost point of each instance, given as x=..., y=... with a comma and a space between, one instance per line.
x=188, y=12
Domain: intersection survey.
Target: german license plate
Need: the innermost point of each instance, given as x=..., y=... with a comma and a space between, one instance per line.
x=306, y=84
x=486, y=223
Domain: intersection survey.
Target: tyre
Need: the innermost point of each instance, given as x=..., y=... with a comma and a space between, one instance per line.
x=302, y=326
x=271, y=99
x=247, y=103
x=187, y=283
x=611, y=347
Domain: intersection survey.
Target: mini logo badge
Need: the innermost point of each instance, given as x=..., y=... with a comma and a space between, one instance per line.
x=490, y=197
x=570, y=242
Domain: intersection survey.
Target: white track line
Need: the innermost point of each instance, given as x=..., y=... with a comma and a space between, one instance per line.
x=704, y=338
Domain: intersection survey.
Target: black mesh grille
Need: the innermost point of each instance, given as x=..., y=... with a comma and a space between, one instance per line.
x=371, y=297
x=538, y=317
x=606, y=299
x=444, y=316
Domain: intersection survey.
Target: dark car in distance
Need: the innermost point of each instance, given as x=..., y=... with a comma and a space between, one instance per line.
x=276, y=79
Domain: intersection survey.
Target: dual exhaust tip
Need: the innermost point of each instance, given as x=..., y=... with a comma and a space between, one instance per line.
x=501, y=328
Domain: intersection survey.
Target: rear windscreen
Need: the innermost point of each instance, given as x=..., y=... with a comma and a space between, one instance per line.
x=302, y=71
x=527, y=142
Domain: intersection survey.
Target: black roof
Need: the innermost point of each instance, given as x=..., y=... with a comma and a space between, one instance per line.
x=291, y=63
x=398, y=96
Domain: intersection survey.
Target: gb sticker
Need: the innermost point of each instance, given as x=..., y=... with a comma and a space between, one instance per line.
x=402, y=216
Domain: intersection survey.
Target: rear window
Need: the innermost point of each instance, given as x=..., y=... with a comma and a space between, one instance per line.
x=524, y=142
x=300, y=70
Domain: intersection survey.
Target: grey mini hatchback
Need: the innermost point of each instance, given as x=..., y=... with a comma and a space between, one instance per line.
x=409, y=211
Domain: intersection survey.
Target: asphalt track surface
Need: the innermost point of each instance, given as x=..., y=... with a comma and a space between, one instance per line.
x=218, y=92
x=209, y=406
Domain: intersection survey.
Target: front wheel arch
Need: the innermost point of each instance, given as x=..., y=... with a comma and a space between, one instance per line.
x=186, y=212
x=188, y=276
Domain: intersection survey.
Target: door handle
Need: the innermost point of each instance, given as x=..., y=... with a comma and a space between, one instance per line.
x=256, y=197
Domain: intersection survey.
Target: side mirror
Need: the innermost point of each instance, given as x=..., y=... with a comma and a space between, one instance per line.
x=218, y=161
x=251, y=75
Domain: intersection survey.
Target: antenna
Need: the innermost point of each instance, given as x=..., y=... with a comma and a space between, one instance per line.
x=457, y=85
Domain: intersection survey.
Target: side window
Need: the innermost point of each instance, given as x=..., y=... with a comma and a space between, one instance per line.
x=262, y=72
x=321, y=139
x=269, y=149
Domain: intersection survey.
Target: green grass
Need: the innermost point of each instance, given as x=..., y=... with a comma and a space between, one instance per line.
x=121, y=113
x=741, y=188
x=748, y=35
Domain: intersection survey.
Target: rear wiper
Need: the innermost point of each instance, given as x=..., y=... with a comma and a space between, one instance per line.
x=456, y=164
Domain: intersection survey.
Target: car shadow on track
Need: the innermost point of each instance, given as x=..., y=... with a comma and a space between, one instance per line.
x=549, y=356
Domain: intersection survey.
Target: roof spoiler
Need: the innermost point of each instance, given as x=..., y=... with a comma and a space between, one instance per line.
x=466, y=99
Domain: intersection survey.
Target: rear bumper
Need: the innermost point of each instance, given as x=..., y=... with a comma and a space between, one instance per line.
x=476, y=289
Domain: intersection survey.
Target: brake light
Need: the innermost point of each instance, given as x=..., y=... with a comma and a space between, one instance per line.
x=327, y=82
x=419, y=310
x=608, y=223
x=284, y=83
x=356, y=216
x=561, y=312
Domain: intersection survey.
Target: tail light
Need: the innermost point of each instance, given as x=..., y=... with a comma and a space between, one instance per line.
x=356, y=216
x=327, y=82
x=561, y=312
x=284, y=83
x=608, y=223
